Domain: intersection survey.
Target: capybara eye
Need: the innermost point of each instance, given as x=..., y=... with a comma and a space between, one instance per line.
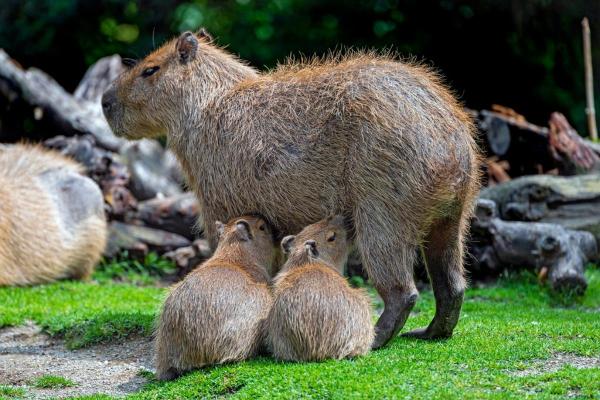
x=149, y=71
x=262, y=227
x=331, y=237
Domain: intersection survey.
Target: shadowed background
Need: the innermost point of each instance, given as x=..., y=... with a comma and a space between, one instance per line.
x=523, y=54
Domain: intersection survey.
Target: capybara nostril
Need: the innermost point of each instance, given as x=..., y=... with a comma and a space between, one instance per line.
x=108, y=100
x=106, y=106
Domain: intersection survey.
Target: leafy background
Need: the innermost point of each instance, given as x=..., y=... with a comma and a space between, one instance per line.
x=525, y=54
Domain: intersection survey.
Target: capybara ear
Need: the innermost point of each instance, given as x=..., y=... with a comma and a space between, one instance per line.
x=287, y=243
x=129, y=62
x=242, y=227
x=220, y=228
x=203, y=33
x=187, y=46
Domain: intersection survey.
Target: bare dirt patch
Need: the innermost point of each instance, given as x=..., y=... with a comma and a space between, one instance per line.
x=26, y=353
x=559, y=360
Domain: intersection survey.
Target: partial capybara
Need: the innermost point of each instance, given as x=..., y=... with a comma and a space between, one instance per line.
x=52, y=223
x=217, y=313
x=380, y=141
x=316, y=315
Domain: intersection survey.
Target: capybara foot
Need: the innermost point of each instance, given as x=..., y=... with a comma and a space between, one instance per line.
x=168, y=374
x=428, y=334
x=395, y=313
x=384, y=332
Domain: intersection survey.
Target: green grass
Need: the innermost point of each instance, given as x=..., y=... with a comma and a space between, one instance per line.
x=52, y=382
x=7, y=392
x=83, y=313
x=506, y=328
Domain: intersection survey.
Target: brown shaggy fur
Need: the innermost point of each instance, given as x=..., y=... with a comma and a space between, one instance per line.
x=316, y=315
x=52, y=223
x=377, y=140
x=217, y=313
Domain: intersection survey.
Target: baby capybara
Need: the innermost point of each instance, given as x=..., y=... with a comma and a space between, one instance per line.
x=316, y=315
x=217, y=313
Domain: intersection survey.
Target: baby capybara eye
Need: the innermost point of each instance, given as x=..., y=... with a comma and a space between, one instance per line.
x=331, y=237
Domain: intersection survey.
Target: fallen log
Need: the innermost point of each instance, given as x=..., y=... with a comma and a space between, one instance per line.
x=104, y=167
x=496, y=171
x=154, y=170
x=532, y=149
x=79, y=114
x=97, y=79
x=177, y=214
x=188, y=258
x=138, y=240
x=512, y=139
x=573, y=154
x=559, y=253
x=572, y=202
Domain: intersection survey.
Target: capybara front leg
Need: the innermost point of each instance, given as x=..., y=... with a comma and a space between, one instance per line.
x=444, y=260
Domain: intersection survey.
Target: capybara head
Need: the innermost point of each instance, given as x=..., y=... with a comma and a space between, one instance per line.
x=251, y=233
x=325, y=241
x=147, y=96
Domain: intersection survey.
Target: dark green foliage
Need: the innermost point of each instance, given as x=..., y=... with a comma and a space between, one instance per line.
x=124, y=269
x=524, y=54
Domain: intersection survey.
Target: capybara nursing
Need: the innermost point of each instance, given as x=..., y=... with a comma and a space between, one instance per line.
x=316, y=315
x=217, y=313
x=52, y=223
x=377, y=140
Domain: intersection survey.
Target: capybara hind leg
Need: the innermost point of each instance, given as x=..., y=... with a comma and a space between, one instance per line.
x=398, y=302
x=389, y=260
x=167, y=374
x=444, y=261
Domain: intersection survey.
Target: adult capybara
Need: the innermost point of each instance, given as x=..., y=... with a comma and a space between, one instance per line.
x=217, y=313
x=316, y=315
x=377, y=140
x=52, y=223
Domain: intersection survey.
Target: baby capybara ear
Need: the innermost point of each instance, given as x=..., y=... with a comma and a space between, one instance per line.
x=220, y=229
x=242, y=229
x=203, y=33
x=287, y=243
x=187, y=46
